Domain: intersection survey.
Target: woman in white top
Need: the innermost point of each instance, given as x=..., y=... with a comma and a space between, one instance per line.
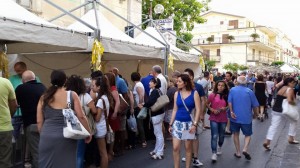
x=100, y=86
x=138, y=94
x=76, y=84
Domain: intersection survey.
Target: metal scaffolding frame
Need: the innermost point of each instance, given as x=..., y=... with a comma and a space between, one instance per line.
x=97, y=31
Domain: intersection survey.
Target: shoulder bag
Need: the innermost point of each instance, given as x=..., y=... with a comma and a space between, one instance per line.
x=291, y=111
x=72, y=129
x=124, y=106
x=199, y=128
x=110, y=136
x=89, y=116
x=161, y=102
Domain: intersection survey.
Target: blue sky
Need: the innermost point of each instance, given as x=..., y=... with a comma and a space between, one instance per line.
x=284, y=15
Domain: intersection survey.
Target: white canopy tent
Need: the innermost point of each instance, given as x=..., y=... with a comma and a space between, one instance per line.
x=117, y=44
x=285, y=68
x=178, y=54
x=24, y=32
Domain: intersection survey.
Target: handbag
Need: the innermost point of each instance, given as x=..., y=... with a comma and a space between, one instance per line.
x=72, y=129
x=124, y=106
x=131, y=121
x=291, y=111
x=143, y=113
x=110, y=136
x=161, y=102
x=89, y=116
x=199, y=128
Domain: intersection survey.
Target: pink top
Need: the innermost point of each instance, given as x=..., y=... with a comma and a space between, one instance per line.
x=216, y=103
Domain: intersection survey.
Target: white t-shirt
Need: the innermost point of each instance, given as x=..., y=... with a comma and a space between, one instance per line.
x=270, y=85
x=85, y=99
x=135, y=93
x=100, y=105
x=164, y=84
x=206, y=84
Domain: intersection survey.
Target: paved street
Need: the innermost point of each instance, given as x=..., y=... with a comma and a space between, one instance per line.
x=282, y=155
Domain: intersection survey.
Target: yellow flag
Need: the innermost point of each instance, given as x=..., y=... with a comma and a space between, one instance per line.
x=171, y=62
x=97, y=52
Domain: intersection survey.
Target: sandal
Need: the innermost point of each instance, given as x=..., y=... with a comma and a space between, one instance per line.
x=266, y=146
x=247, y=155
x=237, y=156
x=152, y=153
x=144, y=144
x=294, y=142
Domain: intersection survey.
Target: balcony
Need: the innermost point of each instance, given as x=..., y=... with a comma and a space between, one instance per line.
x=260, y=59
x=214, y=58
x=260, y=42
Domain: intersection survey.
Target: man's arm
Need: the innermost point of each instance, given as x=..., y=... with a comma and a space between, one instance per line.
x=12, y=106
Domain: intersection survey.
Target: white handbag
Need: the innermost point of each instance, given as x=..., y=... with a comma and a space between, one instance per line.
x=291, y=111
x=73, y=129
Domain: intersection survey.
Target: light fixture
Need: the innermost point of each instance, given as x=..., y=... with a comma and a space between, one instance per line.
x=159, y=9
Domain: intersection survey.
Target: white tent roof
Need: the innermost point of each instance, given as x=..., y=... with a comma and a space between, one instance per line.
x=179, y=54
x=107, y=29
x=285, y=68
x=119, y=45
x=24, y=32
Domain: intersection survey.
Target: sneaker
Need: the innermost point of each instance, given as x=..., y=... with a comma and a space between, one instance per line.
x=219, y=151
x=214, y=157
x=157, y=157
x=183, y=159
x=152, y=153
x=196, y=162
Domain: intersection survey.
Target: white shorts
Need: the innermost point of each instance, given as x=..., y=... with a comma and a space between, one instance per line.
x=101, y=129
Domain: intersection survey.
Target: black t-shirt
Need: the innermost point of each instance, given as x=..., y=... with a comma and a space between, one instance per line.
x=28, y=96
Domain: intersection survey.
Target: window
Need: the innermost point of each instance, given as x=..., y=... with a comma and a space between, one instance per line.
x=206, y=52
x=218, y=52
x=259, y=53
x=221, y=22
x=253, y=52
x=25, y=3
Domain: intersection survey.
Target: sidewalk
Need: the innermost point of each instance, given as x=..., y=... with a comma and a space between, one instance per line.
x=283, y=154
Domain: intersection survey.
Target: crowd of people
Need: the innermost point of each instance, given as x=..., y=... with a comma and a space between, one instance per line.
x=230, y=100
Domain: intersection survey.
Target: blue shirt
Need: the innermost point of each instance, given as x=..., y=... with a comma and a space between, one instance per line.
x=250, y=82
x=243, y=101
x=121, y=85
x=182, y=114
x=145, y=81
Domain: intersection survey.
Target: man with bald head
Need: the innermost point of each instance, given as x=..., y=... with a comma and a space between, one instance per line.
x=241, y=102
x=28, y=95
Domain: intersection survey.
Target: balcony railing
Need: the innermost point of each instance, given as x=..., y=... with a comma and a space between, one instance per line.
x=237, y=39
x=259, y=58
x=214, y=58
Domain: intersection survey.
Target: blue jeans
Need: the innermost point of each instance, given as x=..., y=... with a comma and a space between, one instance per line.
x=217, y=131
x=80, y=153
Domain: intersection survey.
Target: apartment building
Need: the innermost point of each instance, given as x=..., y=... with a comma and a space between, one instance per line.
x=228, y=38
x=129, y=9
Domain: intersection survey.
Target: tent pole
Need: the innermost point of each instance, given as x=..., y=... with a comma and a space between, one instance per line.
x=129, y=22
x=186, y=43
x=137, y=25
x=72, y=10
x=71, y=15
x=98, y=31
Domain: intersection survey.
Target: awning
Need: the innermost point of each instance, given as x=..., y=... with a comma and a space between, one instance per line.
x=24, y=32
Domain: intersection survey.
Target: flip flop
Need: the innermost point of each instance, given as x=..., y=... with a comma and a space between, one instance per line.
x=247, y=155
x=267, y=147
x=237, y=156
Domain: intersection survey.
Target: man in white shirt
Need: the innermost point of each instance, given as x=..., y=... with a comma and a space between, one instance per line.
x=205, y=82
x=156, y=71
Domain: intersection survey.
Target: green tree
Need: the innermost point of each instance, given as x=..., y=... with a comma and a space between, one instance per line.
x=185, y=13
x=243, y=67
x=277, y=63
x=234, y=67
x=210, y=64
